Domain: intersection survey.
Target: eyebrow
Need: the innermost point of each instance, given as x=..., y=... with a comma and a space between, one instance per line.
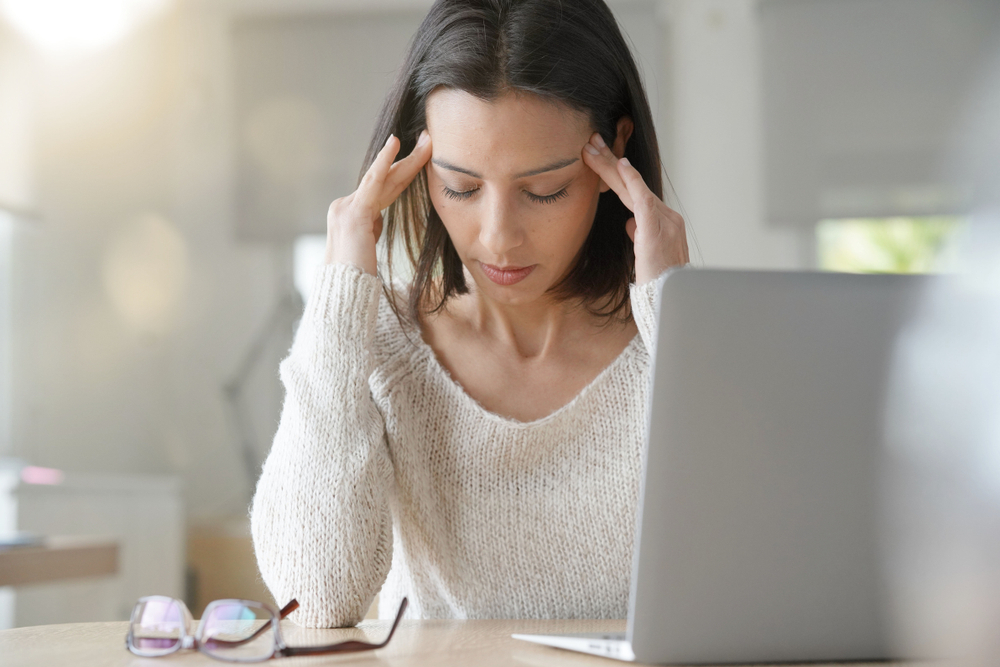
x=534, y=172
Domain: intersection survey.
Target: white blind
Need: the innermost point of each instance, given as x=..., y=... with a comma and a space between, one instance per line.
x=862, y=99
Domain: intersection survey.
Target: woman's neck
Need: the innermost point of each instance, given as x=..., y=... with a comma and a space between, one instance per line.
x=523, y=361
x=531, y=330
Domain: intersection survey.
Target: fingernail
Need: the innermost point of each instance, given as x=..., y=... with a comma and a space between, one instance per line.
x=625, y=162
x=423, y=138
x=590, y=149
x=599, y=140
x=388, y=140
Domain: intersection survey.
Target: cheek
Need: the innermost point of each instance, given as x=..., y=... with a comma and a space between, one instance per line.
x=577, y=216
x=560, y=233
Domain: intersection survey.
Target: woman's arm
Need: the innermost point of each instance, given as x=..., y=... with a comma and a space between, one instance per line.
x=320, y=518
x=645, y=309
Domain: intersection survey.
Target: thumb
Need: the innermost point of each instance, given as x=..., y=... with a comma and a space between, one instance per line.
x=630, y=228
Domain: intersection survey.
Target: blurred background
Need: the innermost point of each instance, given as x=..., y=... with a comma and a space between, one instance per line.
x=165, y=169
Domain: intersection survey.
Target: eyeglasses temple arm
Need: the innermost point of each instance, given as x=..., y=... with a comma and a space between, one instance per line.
x=348, y=646
x=395, y=623
x=288, y=609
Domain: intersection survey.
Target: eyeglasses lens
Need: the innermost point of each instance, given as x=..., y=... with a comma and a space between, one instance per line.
x=237, y=632
x=157, y=626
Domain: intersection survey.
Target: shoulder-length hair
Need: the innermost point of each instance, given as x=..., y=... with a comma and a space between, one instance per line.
x=568, y=51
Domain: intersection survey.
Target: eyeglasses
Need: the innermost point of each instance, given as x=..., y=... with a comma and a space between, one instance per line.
x=230, y=630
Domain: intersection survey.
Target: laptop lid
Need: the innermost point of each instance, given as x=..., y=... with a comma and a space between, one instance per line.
x=757, y=534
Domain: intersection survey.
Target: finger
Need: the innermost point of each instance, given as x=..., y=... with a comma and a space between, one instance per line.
x=655, y=217
x=641, y=195
x=370, y=188
x=630, y=228
x=404, y=171
x=599, y=157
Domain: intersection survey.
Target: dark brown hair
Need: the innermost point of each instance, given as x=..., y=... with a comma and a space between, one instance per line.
x=568, y=51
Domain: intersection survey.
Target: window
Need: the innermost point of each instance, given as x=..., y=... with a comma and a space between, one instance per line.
x=888, y=245
x=310, y=253
x=310, y=250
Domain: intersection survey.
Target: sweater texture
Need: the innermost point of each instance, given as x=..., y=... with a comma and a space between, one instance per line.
x=386, y=475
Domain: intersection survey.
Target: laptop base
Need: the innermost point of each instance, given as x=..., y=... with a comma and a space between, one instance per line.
x=605, y=644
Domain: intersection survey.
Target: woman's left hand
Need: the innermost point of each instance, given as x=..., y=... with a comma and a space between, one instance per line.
x=657, y=231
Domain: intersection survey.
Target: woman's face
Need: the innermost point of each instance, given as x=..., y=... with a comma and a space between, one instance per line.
x=508, y=181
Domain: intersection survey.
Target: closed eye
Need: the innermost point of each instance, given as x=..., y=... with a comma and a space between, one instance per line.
x=538, y=199
x=547, y=199
x=458, y=195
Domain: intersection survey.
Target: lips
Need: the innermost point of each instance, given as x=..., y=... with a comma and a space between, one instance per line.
x=506, y=275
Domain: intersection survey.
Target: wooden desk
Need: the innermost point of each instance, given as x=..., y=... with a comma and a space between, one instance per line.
x=59, y=558
x=416, y=644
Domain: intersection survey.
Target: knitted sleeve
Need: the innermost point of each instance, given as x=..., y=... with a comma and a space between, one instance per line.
x=645, y=308
x=320, y=519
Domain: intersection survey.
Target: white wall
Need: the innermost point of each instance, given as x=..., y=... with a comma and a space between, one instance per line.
x=716, y=163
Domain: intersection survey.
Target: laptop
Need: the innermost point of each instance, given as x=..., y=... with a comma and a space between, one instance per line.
x=758, y=528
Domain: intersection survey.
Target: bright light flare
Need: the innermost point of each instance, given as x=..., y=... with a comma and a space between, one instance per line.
x=146, y=270
x=68, y=26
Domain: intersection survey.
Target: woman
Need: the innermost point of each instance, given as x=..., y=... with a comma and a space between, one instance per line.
x=472, y=440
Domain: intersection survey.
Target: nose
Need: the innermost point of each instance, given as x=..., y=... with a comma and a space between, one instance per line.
x=500, y=231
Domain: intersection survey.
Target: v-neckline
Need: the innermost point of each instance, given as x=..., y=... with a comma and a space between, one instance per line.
x=457, y=387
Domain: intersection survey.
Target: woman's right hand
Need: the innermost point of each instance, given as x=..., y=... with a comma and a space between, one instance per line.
x=354, y=222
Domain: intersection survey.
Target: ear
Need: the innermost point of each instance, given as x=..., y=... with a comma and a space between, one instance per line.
x=625, y=127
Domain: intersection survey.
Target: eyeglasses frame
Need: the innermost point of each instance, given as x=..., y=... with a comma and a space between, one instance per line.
x=281, y=649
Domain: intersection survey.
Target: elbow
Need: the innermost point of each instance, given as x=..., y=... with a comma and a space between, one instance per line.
x=334, y=587
x=339, y=614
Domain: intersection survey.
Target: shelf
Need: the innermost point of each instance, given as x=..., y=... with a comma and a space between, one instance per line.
x=59, y=558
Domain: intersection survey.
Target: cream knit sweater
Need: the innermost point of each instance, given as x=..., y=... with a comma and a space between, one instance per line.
x=385, y=474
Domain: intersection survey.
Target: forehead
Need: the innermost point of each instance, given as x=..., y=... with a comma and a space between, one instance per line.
x=511, y=134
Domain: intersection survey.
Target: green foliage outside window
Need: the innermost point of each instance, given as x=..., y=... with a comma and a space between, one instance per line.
x=886, y=245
